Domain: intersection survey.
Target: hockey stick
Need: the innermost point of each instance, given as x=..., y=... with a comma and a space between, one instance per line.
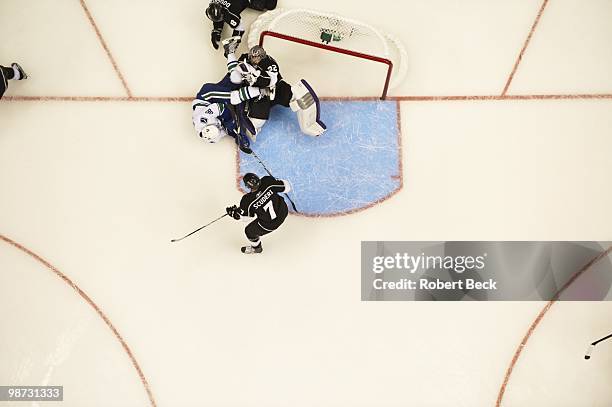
x=244, y=147
x=587, y=355
x=198, y=229
x=243, y=122
x=270, y=174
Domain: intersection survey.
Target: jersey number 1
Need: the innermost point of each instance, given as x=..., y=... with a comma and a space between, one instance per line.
x=270, y=208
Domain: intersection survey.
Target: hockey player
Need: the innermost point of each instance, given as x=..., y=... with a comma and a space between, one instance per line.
x=15, y=72
x=258, y=69
x=212, y=116
x=228, y=11
x=265, y=205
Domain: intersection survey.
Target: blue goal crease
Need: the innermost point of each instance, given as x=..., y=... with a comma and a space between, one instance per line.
x=353, y=165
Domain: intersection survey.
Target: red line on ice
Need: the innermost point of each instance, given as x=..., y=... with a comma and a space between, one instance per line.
x=106, y=49
x=415, y=98
x=520, y=56
x=89, y=301
x=536, y=322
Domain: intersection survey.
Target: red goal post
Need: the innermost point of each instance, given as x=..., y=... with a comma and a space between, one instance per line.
x=319, y=29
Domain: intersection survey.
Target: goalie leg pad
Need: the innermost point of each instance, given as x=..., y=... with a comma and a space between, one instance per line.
x=306, y=104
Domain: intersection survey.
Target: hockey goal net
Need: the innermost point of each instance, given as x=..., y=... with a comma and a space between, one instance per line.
x=333, y=34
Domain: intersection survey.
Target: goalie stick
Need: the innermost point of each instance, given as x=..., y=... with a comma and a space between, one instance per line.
x=591, y=347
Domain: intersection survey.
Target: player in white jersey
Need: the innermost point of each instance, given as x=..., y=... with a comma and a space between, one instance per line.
x=212, y=121
x=212, y=114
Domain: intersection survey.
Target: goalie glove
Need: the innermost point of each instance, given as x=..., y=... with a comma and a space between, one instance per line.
x=233, y=211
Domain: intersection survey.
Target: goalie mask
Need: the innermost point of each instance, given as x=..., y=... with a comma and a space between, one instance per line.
x=256, y=54
x=212, y=134
x=214, y=12
x=251, y=180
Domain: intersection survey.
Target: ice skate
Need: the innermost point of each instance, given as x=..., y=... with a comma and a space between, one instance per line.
x=230, y=45
x=251, y=249
x=20, y=71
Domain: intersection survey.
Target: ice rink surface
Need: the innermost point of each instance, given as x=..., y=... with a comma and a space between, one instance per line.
x=505, y=135
x=355, y=165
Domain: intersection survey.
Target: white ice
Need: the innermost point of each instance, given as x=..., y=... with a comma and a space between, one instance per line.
x=98, y=189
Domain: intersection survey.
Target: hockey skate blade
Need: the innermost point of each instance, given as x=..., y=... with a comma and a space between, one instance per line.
x=589, y=351
x=251, y=250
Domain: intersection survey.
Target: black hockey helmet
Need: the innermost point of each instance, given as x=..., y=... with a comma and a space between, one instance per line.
x=256, y=54
x=251, y=180
x=214, y=12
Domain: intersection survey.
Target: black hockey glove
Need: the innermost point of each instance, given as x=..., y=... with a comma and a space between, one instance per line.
x=245, y=149
x=233, y=211
x=241, y=140
x=215, y=37
x=244, y=144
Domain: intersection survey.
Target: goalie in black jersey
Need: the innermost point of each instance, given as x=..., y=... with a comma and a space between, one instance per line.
x=228, y=11
x=262, y=71
x=259, y=70
x=263, y=203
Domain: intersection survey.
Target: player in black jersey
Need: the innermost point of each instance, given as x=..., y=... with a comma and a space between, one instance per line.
x=265, y=205
x=14, y=72
x=259, y=70
x=228, y=11
x=267, y=75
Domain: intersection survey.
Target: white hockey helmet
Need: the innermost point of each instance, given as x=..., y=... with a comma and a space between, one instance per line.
x=211, y=133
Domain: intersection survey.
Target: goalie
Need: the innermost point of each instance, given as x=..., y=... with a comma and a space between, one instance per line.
x=259, y=70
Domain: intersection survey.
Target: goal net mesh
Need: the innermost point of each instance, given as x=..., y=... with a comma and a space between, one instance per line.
x=334, y=31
